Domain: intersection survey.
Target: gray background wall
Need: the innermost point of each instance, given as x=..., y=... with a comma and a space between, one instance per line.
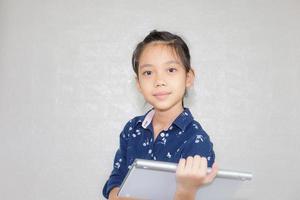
x=67, y=89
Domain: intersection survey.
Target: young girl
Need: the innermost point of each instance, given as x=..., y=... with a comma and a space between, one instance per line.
x=167, y=132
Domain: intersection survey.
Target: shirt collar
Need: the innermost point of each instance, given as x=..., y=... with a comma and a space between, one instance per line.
x=182, y=120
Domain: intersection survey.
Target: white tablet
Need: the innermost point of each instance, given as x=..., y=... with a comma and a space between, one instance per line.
x=155, y=180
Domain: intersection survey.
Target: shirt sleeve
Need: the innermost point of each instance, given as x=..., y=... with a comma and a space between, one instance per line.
x=199, y=144
x=120, y=168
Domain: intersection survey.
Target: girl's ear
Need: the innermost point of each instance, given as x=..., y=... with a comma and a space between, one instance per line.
x=190, y=77
x=138, y=86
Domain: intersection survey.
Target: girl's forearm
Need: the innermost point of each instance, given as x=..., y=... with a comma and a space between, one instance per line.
x=113, y=194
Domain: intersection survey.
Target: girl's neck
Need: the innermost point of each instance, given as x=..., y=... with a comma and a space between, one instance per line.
x=164, y=118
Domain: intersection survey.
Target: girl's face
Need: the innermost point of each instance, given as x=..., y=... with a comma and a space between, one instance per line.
x=162, y=78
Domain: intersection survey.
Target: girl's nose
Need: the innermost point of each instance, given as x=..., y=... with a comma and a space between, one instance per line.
x=160, y=80
x=159, y=83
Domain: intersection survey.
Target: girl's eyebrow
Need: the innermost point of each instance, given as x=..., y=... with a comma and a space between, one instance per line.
x=168, y=62
x=146, y=65
x=172, y=62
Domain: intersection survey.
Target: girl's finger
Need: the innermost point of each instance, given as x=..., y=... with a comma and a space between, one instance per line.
x=203, y=166
x=196, y=163
x=189, y=163
x=210, y=177
x=181, y=165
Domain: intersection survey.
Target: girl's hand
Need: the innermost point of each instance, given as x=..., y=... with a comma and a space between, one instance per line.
x=191, y=174
x=113, y=195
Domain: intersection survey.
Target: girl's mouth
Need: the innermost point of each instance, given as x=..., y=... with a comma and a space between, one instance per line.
x=161, y=95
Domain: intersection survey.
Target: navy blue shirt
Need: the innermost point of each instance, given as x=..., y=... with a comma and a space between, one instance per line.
x=185, y=137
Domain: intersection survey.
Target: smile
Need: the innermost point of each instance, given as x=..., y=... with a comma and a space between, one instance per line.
x=161, y=95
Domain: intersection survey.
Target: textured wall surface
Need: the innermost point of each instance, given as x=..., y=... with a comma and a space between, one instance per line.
x=67, y=90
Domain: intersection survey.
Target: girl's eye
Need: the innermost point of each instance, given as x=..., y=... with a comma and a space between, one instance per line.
x=172, y=69
x=147, y=73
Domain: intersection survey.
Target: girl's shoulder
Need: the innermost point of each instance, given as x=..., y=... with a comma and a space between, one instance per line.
x=196, y=129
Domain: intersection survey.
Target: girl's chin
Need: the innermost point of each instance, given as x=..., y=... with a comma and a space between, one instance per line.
x=162, y=107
